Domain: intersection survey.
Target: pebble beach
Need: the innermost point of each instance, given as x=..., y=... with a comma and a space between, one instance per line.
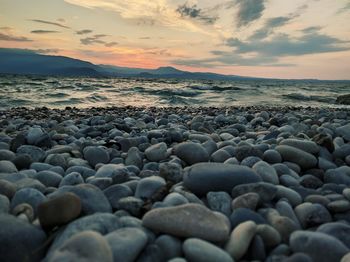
x=175, y=184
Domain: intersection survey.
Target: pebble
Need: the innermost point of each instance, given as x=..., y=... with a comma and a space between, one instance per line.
x=338, y=230
x=95, y=155
x=85, y=246
x=185, y=152
x=205, y=177
x=7, y=167
x=304, y=159
x=196, y=221
x=126, y=243
x=171, y=246
x=220, y=202
x=311, y=215
x=148, y=186
x=248, y=200
x=266, y=191
x=157, y=152
x=59, y=210
x=19, y=239
x=304, y=145
x=319, y=246
x=196, y=249
x=240, y=240
x=115, y=192
x=267, y=172
x=30, y=196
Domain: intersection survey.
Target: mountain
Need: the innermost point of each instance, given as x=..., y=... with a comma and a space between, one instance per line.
x=21, y=61
x=24, y=61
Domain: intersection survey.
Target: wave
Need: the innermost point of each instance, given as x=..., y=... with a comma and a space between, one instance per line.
x=302, y=97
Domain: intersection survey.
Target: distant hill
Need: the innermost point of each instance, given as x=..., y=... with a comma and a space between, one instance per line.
x=19, y=61
x=23, y=61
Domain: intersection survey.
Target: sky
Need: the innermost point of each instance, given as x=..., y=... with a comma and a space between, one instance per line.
x=262, y=38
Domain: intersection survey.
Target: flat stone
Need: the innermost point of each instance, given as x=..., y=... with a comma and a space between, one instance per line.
x=319, y=246
x=126, y=243
x=305, y=145
x=87, y=246
x=205, y=177
x=191, y=153
x=292, y=154
x=196, y=221
x=196, y=249
x=339, y=206
x=240, y=239
x=59, y=210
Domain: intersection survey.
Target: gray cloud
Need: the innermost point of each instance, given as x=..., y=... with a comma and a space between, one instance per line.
x=269, y=27
x=83, y=32
x=8, y=37
x=269, y=52
x=43, y=32
x=311, y=42
x=49, y=23
x=97, y=39
x=249, y=11
x=195, y=13
x=111, y=44
x=346, y=8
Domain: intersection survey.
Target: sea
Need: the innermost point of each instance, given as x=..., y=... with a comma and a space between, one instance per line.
x=61, y=92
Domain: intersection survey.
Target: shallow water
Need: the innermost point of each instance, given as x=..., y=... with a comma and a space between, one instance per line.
x=59, y=92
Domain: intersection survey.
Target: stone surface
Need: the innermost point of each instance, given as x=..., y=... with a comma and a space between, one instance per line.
x=220, y=202
x=28, y=195
x=95, y=155
x=59, y=210
x=319, y=246
x=199, y=250
x=311, y=215
x=126, y=243
x=191, y=153
x=304, y=159
x=157, y=152
x=196, y=221
x=87, y=246
x=19, y=240
x=240, y=239
x=205, y=177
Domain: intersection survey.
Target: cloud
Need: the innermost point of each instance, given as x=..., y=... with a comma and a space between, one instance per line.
x=111, y=44
x=97, y=39
x=269, y=52
x=43, y=32
x=49, y=23
x=344, y=9
x=9, y=37
x=84, y=31
x=145, y=37
x=269, y=27
x=62, y=20
x=195, y=13
x=311, y=42
x=249, y=11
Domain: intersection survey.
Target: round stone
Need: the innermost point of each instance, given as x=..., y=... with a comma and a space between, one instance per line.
x=28, y=195
x=248, y=200
x=196, y=221
x=191, y=153
x=126, y=243
x=319, y=246
x=267, y=172
x=311, y=215
x=59, y=210
x=18, y=240
x=71, y=179
x=338, y=230
x=305, y=145
x=87, y=246
x=220, y=202
x=171, y=246
x=95, y=155
x=205, y=177
x=271, y=156
x=7, y=167
x=199, y=250
x=148, y=186
x=157, y=152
